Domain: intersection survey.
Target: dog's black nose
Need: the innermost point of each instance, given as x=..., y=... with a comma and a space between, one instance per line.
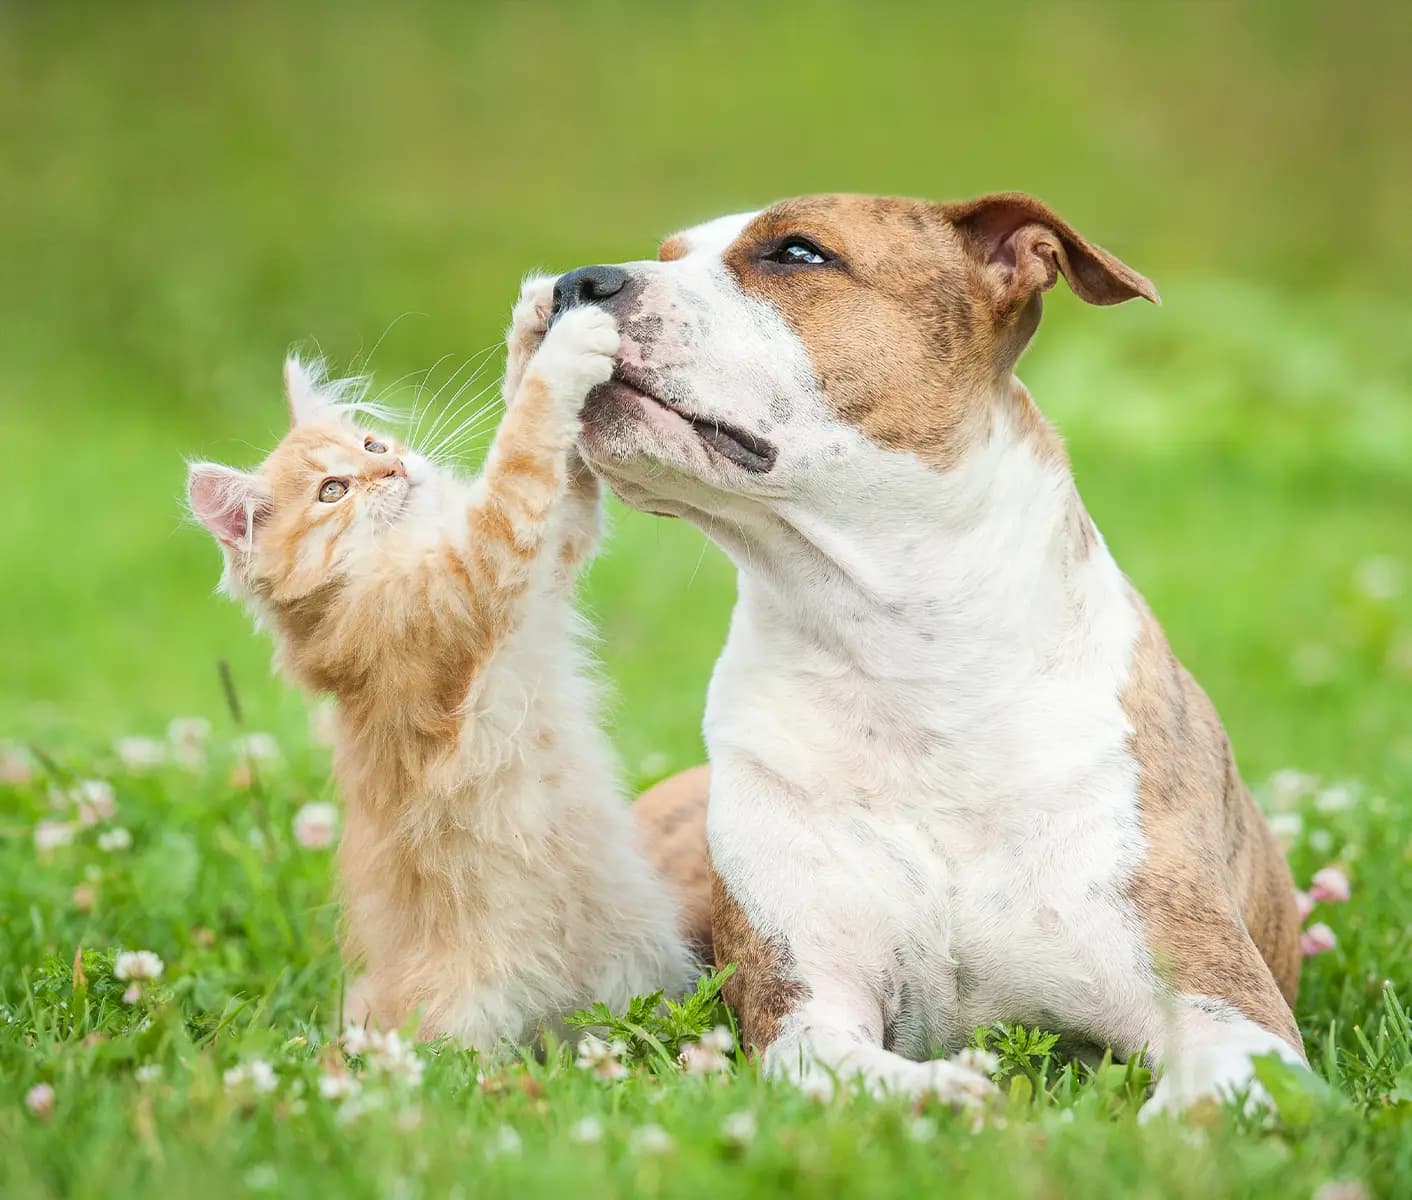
x=587, y=285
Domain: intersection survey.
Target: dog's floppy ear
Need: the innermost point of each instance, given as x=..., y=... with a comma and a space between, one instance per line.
x=1023, y=246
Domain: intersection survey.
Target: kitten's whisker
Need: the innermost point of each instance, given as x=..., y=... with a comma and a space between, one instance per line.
x=455, y=374
x=451, y=411
x=417, y=411
x=476, y=414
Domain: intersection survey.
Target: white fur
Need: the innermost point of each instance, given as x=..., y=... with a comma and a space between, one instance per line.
x=921, y=779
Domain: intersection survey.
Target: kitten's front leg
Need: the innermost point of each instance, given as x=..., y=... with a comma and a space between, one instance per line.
x=529, y=322
x=581, y=520
x=526, y=473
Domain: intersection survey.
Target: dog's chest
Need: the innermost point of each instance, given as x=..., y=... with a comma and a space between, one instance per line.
x=976, y=873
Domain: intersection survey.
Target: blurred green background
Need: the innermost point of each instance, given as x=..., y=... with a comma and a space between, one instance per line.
x=190, y=190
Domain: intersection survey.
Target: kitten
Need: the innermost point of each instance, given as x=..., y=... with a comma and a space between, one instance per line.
x=488, y=869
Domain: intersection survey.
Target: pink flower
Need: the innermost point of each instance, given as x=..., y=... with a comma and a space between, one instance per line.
x=1329, y=886
x=40, y=1101
x=15, y=766
x=1304, y=902
x=95, y=801
x=1317, y=939
x=316, y=826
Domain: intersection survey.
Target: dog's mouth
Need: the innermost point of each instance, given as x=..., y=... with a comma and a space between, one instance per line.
x=737, y=446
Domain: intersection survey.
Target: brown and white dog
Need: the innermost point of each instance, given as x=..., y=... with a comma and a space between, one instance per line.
x=957, y=775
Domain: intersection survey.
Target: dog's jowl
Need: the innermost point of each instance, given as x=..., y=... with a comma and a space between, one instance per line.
x=957, y=774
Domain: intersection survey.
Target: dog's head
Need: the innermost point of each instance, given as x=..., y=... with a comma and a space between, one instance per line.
x=764, y=354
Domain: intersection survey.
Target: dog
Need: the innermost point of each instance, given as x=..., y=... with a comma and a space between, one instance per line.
x=957, y=774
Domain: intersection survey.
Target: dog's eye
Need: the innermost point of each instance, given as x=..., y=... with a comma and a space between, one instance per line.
x=797, y=252
x=331, y=490
x=373, y=446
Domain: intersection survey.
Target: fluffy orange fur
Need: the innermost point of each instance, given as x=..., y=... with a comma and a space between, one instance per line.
x=488, y=871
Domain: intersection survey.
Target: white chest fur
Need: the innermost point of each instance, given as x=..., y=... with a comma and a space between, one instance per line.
x=922, y=778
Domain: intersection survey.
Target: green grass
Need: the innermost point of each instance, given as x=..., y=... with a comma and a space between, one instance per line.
x=189, y=191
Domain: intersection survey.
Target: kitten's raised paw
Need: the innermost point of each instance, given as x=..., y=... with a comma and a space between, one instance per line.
x=529, y=319
x=576, y=356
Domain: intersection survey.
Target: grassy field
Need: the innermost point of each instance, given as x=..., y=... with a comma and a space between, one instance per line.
x=192, y=190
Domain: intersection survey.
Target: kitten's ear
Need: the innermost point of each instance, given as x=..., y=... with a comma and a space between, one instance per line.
x=301, y=389
x=228, y=502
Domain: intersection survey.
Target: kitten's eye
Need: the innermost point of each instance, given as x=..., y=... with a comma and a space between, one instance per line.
x=373, y=446
x=332, y=489
x=797, y=252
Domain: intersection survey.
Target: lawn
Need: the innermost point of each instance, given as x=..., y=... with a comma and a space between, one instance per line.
x=191, y=190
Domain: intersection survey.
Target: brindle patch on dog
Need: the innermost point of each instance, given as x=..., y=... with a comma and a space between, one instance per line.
x=1214, y=890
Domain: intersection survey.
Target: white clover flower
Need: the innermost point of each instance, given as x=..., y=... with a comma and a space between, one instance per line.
x=140, y=753
x=138, y=965
x=262, y=1076
x=356, y=1038
x=316, y=826
x=1335, y=798
x=262, y=1177
x=16, y=768
x=1321, y=840
x=603, y=1060
x=586, y=1131
x=506, y=1141
x=84, y=897
x=189, y=731
x=147, y=1073
x=132, y=994
x=719, y=1039
x=50, y=835
x=406, y=1071
x=338, y=1086
x=112, y=840
x=1285, y=825
x=40, y=1100
x=1342, y=1189
x=698, y=1059
x=1379, y=577
x=739, y=1128
x=921, y=1129
x=651, y=1139
x=95, y=801
x=323, y=724
x=260, y=747
x=1289, y=786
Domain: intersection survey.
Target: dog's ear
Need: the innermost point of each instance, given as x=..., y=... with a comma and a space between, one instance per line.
x=1023, y=246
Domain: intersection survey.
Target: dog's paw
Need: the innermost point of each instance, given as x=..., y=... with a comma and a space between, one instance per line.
x=956, y=1082
x=1179, y=1093
x=576, y=356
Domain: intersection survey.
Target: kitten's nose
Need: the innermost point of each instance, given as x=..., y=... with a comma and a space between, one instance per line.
x=398, y=468
x=587, y=285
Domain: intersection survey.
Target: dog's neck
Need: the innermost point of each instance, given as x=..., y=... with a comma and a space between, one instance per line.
x=990, y=570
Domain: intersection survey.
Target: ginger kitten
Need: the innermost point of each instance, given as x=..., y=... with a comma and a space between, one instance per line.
x=488, y=868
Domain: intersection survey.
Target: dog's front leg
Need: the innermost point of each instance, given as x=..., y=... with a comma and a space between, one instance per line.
x=802, y=916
